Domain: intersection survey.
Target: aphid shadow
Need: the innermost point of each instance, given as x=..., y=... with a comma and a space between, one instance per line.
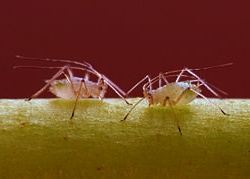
x=166, y=117
x=161, y=112
x=82, y=105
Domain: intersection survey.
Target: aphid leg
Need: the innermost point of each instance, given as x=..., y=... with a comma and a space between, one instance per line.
x=162, y=77
x=115, y=88
x=69, y=77
x=143, y=79
x=171, y=104
x=77, y=97
x=194, y=75
x=218, y=89
x=181, y=95
x=204, y=97
x=110, y=83
x=132, y=109
x=208, y=87
x=101, y=85
x=179, y=76
x=198, y=93
x=86, y=77
x=60, y=72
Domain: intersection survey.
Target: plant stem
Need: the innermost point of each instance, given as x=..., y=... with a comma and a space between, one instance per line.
x=37, y=138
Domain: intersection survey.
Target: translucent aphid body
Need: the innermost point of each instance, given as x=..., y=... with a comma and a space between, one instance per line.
x=72, y=87
x=174, y=92
x=63, y=89
x=179, y=92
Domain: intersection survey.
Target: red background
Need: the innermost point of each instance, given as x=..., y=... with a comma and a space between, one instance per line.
x=125, y=40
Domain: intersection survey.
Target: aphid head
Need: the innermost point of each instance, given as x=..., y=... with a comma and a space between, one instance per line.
x=102, y=87
x=149, y=97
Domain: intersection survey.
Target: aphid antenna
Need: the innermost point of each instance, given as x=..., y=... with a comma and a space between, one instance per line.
x=203, y=68
x=214, y=66
x=111, y=84
x=168, y=73
x=52, y=60
x=84, y=63
x=53, y=67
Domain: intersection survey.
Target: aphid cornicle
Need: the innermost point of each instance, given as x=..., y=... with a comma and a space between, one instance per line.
x=72, y=87
x=177, y=92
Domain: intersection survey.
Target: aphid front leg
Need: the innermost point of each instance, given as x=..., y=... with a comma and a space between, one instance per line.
x=102, y=87
x=171, y=104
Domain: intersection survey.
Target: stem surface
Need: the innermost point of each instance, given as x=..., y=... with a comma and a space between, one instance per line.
x=38, y=139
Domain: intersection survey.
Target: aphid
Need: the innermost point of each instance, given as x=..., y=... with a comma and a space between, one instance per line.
x=72, y=87
x=177, y=92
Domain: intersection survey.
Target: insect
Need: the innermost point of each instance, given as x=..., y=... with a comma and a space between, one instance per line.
x=179, y=92
x=72, y=87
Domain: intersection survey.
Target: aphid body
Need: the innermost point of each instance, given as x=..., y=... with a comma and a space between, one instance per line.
x=64, y=89
x=179, y=93
x=72, y=87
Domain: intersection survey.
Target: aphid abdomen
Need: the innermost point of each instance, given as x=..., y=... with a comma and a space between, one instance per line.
x=178, y=93
x=187, y=95
x=62, y=89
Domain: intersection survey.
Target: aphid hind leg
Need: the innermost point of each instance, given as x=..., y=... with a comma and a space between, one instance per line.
x=204, y=97
x=202, y=81
x=182, y=95
x=60, y=72
x=171, y=104
x=210, y=89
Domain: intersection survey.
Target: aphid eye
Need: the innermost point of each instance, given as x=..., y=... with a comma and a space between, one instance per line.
x=149, y=96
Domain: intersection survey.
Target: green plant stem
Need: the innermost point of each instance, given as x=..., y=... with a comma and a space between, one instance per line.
x=38, y=139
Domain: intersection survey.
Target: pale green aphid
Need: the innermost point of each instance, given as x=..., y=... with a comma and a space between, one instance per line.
x=71, y=87
x=174, y=93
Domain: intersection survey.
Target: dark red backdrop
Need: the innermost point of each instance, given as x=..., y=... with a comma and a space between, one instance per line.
x=126, y=40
